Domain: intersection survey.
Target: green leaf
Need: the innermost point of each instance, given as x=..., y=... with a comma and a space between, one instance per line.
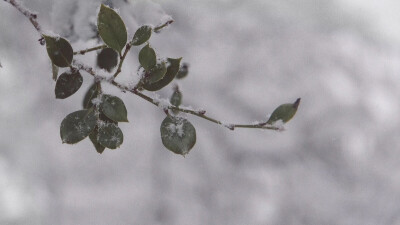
x=157, y=72
x=54, y=69
x=114, y=108
x=59, y=51
x=172, y=70
x=178, y=135
x=90, y=95
x=77, y=126
x=107, y=59
x=93, y=138
x=147, y=57
x=183, y=71
x=284, y=112
x=111, y=28
x=142, y=35
x=67, y=84
x=176, y=98
x=110, y=136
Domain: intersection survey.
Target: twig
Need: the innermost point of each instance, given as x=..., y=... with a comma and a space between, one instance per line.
x=82, y=52
x=122, y=58
x=158, y=28
x=30, y=15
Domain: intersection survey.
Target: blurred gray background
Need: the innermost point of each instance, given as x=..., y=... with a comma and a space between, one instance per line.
x=338, y=162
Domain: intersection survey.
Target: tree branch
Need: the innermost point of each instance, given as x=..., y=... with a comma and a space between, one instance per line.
x=157, y=102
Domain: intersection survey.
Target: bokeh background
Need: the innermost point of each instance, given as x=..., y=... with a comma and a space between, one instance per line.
x=337, y=162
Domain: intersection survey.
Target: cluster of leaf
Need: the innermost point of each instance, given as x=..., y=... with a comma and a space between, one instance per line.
x=102, y=112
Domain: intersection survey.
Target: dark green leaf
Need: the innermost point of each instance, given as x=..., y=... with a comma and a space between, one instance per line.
x=172, y=70
x=147, y=57
x=107, y=59
x=93, y=138
x=67, y=84
x=178, y=135
x=284, y=112
x=54, y=69
x=90, y=95
x=59, y=51
x=176, y=98
x=114, y=108
x=183, y=71
x=111, y=28
x=110, y=136
x=141, y=35
x=77, y=126
x=157, y=72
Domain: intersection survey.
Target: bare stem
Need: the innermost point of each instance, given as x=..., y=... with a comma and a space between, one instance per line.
x=122, y=58
x=158, y=28
x=84, y=51
x=30, y=15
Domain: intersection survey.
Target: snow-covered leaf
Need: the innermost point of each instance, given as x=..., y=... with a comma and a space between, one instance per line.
x=147, y=57
x=114, y=108
x=59, y=50
x=90, y=94
x=284, y=112
x=77, y=126
x=183, y=71
x=172, y=70
x=107, y=59
x=67, y=84
x=93, y=138
x=178, y=135
x=110, y=136
x=157, y=72
x=111, y=28
x=142, y=35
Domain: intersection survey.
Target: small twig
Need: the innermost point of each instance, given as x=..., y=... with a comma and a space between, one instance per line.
x=30, y=15
x=158, y=28
x=122, y=58
x=82, y=52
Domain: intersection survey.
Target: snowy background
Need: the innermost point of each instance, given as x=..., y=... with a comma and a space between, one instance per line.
x=338, y=162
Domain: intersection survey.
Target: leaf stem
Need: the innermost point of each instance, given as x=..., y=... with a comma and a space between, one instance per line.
x=84, y=51
x=122, y=58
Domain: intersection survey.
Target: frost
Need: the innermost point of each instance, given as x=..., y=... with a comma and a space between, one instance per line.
x=97, y=101
x=176, y=129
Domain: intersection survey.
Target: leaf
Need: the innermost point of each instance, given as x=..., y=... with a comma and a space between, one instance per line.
x=93, y=138
x=157, y=72
x=172, y=70
x=110, y=136
x=90, y=95
x=54, y=69
x=183, y=71
x=147, y=57
x=178, y=135
x=176, y=98
x=111, y=28
x=107, y=59
x=67, y=84
x=284, y=112
x=77, y=126
x=59, y=51
x=114, y=108
x=142, y=35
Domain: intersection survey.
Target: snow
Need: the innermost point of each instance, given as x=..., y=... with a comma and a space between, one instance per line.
x=340, y=151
